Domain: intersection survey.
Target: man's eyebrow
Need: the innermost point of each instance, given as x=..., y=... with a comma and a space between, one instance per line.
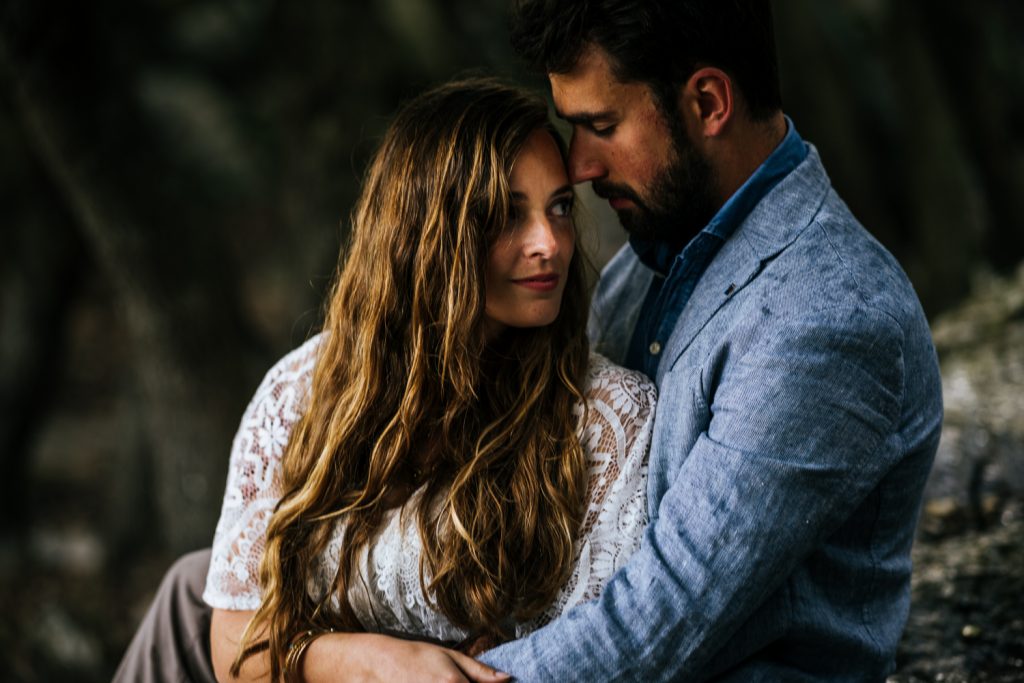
x=586, y=117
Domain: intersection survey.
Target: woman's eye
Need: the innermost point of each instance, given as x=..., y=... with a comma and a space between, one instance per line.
x=562, y=207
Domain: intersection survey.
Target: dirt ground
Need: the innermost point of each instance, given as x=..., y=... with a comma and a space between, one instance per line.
x=967, y=614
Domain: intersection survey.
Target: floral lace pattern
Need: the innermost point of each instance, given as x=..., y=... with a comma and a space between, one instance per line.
x=254, y=484
x=388, y=595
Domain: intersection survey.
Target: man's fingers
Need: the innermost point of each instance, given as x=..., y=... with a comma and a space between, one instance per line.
x=478, y=672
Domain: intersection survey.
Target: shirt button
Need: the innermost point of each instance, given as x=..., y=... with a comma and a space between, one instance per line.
x=654, y=348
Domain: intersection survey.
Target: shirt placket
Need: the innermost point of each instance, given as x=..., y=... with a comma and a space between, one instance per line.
x=672, y=298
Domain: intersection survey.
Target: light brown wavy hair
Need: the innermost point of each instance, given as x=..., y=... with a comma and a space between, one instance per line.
x=408, y=391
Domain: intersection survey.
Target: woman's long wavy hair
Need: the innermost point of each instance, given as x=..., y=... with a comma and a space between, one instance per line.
x=408, y=391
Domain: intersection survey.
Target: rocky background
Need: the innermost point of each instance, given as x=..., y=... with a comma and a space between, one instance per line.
x=174, y=181
x=967, y=619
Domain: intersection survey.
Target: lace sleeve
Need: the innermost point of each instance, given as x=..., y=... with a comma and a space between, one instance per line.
x=616, y=436
x=254, y=486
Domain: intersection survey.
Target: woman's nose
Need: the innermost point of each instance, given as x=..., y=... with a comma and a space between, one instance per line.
x=541, y=240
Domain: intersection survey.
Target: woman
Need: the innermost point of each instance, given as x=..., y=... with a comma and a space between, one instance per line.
x=446, y=459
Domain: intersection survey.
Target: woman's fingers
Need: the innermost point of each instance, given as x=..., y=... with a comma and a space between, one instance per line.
x=478, y=672
x=376, y=657
x=478, y=645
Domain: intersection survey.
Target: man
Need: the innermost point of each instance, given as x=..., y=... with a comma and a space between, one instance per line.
x=799, y=407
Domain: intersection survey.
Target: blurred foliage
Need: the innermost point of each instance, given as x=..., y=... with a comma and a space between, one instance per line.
x=918, y=110
x=175, y=179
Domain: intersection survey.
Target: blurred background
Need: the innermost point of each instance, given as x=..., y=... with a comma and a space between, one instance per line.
x=175, y=181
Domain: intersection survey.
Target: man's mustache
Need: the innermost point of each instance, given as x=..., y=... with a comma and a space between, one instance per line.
x=606, y=190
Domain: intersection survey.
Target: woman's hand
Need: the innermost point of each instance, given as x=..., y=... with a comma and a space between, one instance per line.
x=475, y=647
x=342, y=657
x=375, y=657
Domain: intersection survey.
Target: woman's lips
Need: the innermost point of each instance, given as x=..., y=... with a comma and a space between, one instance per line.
x=539, y=283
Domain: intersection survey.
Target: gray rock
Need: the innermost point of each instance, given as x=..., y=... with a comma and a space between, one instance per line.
x=979, y=467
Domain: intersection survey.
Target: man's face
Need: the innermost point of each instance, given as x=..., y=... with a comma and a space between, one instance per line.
x=637, y=158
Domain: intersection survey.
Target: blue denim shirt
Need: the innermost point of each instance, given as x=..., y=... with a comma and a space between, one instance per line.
x=677, y=274
x=798, y=415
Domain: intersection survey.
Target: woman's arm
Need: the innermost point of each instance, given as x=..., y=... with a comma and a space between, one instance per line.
x=226, y=628
x=341, y=657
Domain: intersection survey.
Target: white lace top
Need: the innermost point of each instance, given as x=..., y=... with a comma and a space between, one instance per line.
x=615, y=437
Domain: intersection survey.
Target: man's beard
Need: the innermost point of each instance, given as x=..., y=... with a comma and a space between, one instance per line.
x=680, y=201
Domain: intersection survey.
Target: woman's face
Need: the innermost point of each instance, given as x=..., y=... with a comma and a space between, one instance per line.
x=528, y=263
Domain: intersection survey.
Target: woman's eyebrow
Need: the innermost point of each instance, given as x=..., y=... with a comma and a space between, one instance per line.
x=520, y=196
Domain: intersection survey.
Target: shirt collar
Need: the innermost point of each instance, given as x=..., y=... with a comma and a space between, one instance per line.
x=789, y=154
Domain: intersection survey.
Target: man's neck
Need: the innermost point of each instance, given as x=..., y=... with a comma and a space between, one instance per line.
x=749, y=145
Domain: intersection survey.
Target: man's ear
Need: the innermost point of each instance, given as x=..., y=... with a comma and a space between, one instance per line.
x=707, y=100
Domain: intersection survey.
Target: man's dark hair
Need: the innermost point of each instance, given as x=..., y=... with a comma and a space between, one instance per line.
x=657, y=42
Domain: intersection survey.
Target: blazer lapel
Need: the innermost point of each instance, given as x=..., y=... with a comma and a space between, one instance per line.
x=774, y=224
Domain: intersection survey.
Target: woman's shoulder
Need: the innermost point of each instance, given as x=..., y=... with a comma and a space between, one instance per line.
x=285, y=387
x=604, y=375
x=296, y=366
x=300, y=360
x=629, y=394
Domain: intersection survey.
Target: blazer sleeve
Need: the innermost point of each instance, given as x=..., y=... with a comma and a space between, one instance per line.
x=803, y=427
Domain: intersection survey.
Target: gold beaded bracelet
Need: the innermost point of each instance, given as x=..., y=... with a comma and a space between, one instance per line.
x=298, y=648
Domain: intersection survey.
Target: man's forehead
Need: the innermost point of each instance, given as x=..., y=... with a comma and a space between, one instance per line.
x=588, y=83
x=590, y=90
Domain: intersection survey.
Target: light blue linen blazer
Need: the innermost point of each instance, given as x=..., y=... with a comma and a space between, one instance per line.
x=799, y=413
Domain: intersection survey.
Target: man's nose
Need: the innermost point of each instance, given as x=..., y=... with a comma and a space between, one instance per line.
x=584, y=162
